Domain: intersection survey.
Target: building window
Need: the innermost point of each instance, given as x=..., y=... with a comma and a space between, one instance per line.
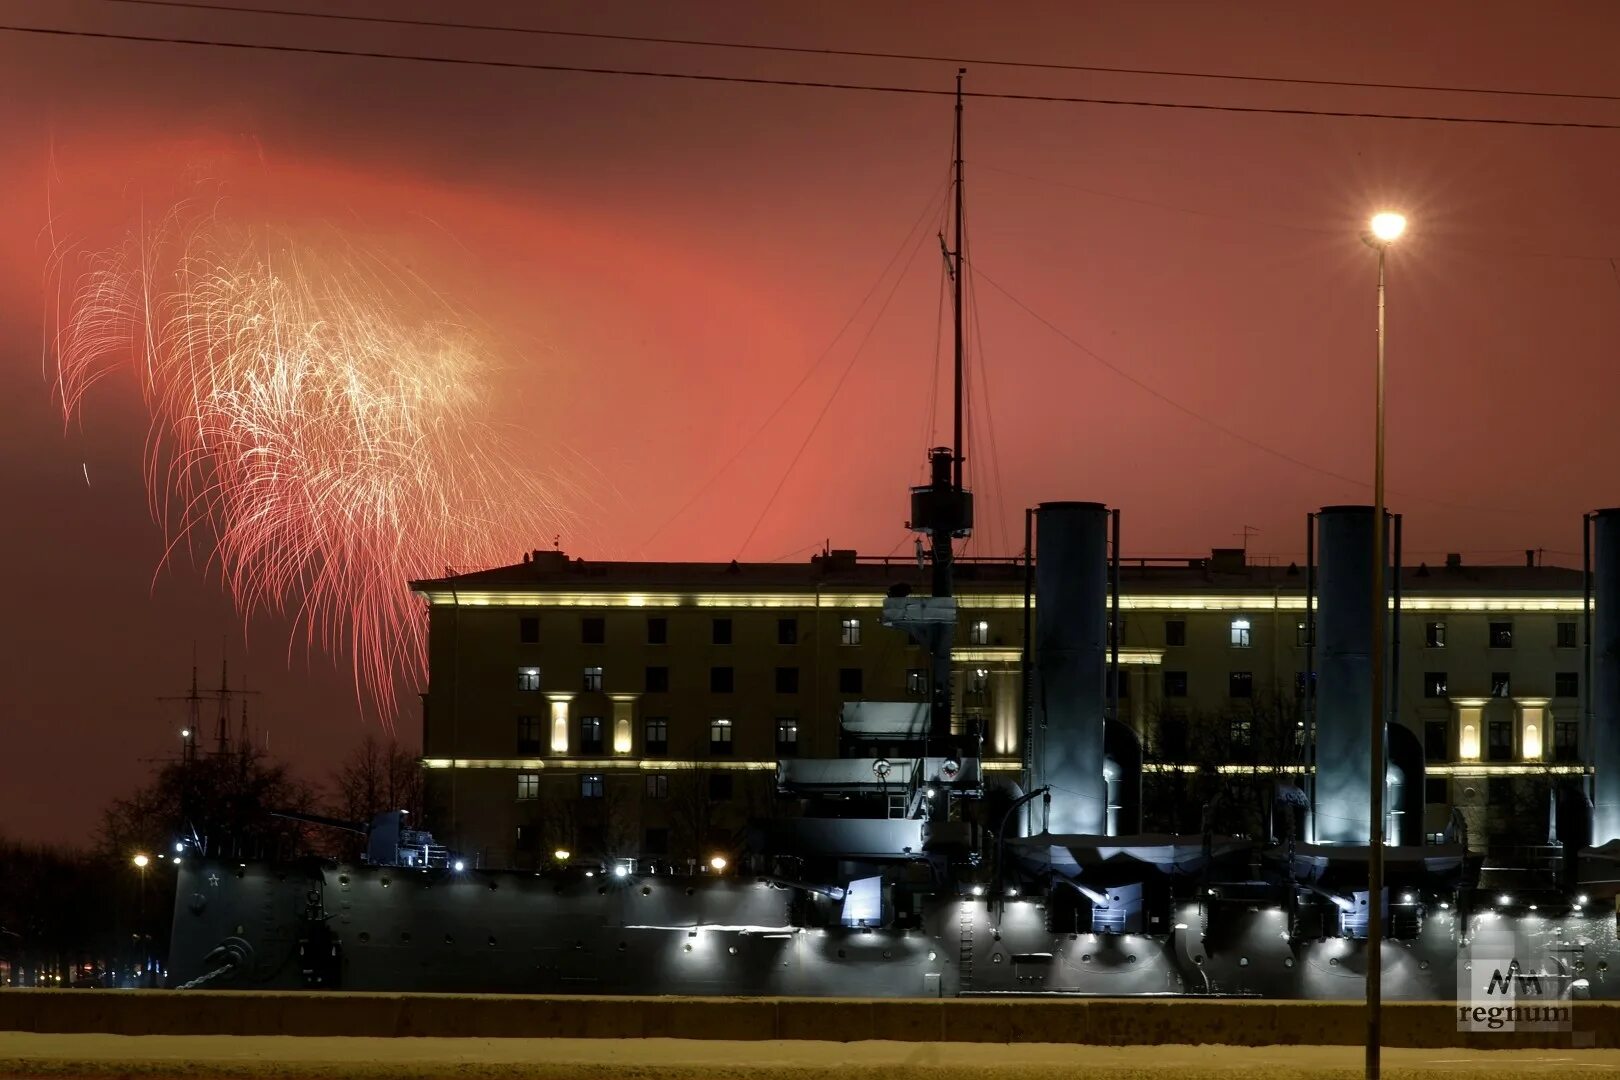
x=1498, y=791
x=1500, y=747
x=1434, y=635
x=787, y=737
x=720, y=786
x=849, y=632
x=1304, y=685
x=529, y=630
x=1567, y=636
x=1501, y=684
x=720, y=737
x=592, y=678
x=526, y=837
x=590, y=734
x=849, y=680
x=657, y=630
x=1240, y=633
x=528, y=734
x=656, y=842
x=1240, y=684
x=528, y=678
x=917, y=682
x=1435, y=791
x=1567, y=684
x=1501, y=635
x=1437, y=740
x=787, y=631
x=1119, y=683
x=787, y=680
x=1175, y=684
x=593, y=630
x=1175, y=632
x=1302, y=634
x=721, y=680
x=1566, y=740
x=979, y=632
x=720, y=634
x=655, y=735
x=1240, y=732
x=528, y=786
x=657, y=786
x=590, y=785
x=1434, y=684
x=978, y=684
x=658, y=680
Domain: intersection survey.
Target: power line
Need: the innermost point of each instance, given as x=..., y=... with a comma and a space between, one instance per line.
x=810, y=84
x=864, y=54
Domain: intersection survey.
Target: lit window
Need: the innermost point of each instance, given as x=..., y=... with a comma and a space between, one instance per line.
x=528, y=678
x=1434, y=684
x=528, y=786
x=850, y=632
x=720, y=737
x=590, y=734
x=1434, y=635
x=917, y=681
x=590, y=785
x=787, y=737
x=979, y=632
x=1302, y=634
x=657, y=786
x=978, y=683
x=655, y=733
x=1500, y=683
x=1240, y=732
x=1240, y=633
x=593, y=678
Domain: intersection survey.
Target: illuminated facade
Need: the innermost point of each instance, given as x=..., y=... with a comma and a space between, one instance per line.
x=639, y=709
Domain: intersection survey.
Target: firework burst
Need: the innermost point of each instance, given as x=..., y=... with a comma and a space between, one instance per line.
x=318, y=427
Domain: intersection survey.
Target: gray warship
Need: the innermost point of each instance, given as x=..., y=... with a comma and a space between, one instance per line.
x=909, y=871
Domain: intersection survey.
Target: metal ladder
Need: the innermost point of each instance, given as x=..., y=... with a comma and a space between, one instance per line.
x=964, y=956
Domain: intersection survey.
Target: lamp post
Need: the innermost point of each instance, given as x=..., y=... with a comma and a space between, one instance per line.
x=1384, y=229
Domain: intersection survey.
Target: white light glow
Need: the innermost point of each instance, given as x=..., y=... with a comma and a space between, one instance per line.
x=561, y=854
x=460, y=866
x=977, y=890
x=1388, y=226
x=621, y=871
x=1504, y=899
x=1581, y=899
x=140, y=861
x=718, y=862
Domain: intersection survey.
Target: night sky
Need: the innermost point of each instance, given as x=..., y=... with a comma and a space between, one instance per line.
x=662, y=261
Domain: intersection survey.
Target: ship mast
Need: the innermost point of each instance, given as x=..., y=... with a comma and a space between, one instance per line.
x=942, y=509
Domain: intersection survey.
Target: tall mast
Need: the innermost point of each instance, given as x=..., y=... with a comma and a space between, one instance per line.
x=956, y=280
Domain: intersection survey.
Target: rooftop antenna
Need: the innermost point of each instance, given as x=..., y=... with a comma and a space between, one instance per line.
x=1248, y=531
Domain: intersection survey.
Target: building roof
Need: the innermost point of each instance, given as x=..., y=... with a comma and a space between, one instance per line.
x=1222, y=572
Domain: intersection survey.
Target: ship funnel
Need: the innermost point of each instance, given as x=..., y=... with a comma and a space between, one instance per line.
x=1071, y=641
x=1344, y=674
x=1604, y=737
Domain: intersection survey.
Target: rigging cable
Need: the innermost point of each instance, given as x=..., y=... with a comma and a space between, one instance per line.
x=833, y=396
x=899, y=250
x=1216, y=424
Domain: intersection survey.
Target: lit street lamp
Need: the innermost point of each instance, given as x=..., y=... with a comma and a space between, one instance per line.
x=141, y=861
x=1384, y=229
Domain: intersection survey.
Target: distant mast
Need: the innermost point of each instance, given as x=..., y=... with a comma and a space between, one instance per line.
x=942, y=509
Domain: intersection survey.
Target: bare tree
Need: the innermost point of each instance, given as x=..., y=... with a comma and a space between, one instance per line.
x=378, y=776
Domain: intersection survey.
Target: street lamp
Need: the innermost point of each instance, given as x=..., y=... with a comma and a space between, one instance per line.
x=1384, y=229
x=141, y=861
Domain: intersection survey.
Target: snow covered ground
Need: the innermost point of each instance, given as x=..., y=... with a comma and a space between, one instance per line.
x=285, y=1057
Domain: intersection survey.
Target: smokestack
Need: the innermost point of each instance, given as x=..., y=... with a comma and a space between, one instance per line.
x=1071, y=641
x=1344, y=674
x=1604, y=738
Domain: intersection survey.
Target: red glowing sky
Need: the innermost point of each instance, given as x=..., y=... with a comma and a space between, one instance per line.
x=663, y=261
